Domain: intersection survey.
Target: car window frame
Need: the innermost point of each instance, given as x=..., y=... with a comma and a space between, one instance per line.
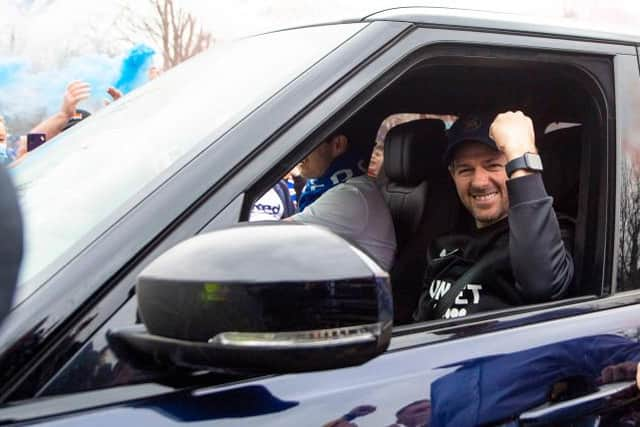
x=627, y=91
x=420, y=40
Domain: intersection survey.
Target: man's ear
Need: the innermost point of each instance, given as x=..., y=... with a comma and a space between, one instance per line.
x=339, y=145
x=451, y=169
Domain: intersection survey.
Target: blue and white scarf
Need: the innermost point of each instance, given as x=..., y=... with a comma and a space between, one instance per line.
x=341, y=169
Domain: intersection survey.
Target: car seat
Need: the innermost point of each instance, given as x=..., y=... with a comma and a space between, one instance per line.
x=562, y=152
x=422, y=201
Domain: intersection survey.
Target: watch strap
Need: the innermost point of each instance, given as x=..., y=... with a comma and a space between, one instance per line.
x=528, y=161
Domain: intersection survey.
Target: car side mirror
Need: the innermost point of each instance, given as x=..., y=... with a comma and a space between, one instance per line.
x=269, y=297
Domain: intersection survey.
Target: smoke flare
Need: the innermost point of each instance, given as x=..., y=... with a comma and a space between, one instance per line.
x=28, y=95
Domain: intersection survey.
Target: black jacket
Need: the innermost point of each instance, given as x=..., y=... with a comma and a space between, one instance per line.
x=522, y=259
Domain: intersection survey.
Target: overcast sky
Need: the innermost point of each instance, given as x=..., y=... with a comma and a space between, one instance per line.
x=48, y=28
x=233, y=18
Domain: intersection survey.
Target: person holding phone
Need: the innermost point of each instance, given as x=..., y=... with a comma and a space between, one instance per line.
x=75, y=92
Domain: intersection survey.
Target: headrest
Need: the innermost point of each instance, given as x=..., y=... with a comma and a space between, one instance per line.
x=561, y=152
x=413, y=151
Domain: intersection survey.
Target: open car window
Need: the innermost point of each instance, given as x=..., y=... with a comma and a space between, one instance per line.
x=564, y=104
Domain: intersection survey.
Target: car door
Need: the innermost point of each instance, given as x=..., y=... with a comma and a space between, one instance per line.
x=552, y=363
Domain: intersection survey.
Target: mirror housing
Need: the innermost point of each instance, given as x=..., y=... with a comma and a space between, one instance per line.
x=269, y=297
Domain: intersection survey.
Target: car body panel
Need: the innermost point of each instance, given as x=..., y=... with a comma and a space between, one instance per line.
x=499, y=22
x=390, y=382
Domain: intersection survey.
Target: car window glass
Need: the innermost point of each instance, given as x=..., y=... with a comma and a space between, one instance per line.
x=76, y=186
x=628, y=262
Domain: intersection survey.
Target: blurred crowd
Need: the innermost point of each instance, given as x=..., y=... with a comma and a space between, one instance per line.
x=14, y=148
x=281, y=201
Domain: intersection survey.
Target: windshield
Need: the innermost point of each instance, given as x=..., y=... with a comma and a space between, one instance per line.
x=77, y=185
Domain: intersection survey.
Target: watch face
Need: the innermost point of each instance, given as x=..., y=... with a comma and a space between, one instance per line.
x=533, y=161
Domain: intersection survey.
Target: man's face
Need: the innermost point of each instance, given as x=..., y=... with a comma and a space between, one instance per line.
x=481, y=181
x=153, y=73
x=316, y=163
x=375, y=163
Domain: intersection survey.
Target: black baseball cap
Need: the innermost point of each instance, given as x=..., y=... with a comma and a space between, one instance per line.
x=470, y=127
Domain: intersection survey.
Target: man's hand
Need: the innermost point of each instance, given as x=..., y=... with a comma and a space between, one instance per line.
x=361, y=411
x=76, y=91
x=513, y=134
x=624, y=371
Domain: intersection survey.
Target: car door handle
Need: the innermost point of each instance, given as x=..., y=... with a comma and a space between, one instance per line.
x=581, y=406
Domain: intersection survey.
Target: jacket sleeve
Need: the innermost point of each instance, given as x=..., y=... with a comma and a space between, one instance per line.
x=541, y=261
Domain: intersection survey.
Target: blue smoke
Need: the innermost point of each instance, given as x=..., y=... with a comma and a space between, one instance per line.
x=134, y=68
x=9, y=71
x=28, y=95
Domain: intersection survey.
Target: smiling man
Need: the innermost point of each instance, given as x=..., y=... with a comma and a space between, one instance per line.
x=517, y=251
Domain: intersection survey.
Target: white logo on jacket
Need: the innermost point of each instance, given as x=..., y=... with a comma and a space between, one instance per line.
x=439, y=288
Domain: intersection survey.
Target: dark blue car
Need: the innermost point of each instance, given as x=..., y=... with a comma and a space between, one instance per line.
x=145, y=298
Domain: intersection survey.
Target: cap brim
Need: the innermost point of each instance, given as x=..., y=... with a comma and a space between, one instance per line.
x=452, y=147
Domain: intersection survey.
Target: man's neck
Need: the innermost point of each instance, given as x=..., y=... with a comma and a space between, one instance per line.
x=481, y=225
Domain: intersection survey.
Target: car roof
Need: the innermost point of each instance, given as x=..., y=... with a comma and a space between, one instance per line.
x=483, y=20
x=504, y=22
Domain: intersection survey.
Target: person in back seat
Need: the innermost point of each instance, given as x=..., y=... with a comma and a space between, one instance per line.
x=341, y=198
x=516, y=253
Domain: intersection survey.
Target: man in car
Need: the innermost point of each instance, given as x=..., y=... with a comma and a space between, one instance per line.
x=274, y=205
x=340, y=197
x=515, y=253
